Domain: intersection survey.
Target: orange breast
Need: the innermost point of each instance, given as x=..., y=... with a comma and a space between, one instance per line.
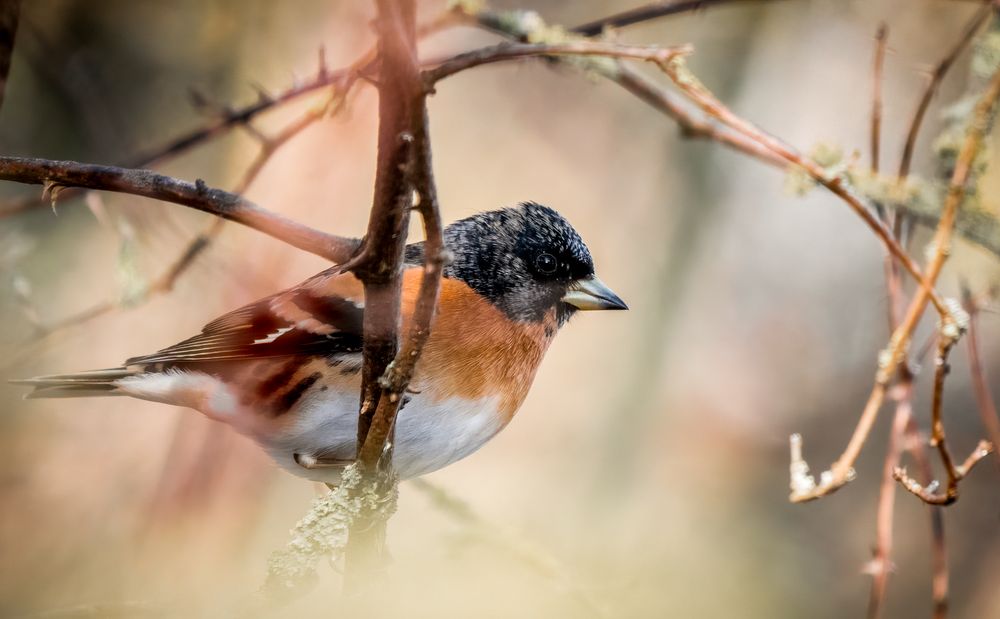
x=474, y=350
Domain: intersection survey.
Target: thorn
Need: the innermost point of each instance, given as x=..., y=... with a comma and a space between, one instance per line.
x=323, y=72
x=262, y=93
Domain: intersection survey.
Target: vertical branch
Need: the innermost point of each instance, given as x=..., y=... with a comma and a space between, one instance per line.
x=379, y=265
x=10, y=12
x=881, y=564
x=984, y=398
x=398, y=84
x=881, y=36
x=404, y=173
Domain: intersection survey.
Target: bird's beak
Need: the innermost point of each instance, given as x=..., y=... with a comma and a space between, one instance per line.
x=590, y=293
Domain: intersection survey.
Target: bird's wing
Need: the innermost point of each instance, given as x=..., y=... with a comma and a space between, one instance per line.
x=323, y=315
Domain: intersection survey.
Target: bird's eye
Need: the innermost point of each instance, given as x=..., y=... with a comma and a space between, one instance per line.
x=546, y=263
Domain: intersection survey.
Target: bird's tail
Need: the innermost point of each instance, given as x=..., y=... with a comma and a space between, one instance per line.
x=80, y=385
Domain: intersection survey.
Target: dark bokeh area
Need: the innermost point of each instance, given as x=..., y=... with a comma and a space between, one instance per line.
x=646, y=474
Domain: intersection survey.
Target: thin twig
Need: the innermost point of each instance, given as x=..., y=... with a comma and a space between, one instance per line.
x=514, y=51
x=929, y=493
x=881, y=36
x=689, y=121
x=881, y=564
x=937, y=76
x=690, y=85
x=645, y=13
x=984, y=397
x=915, y=442
x=690, y=126
x=232, y=118
x=889, y=360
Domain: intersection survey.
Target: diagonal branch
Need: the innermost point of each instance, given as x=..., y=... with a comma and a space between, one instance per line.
x=515, y=51
x=704, y=99
x=648, y=12
x=984, y=398
x=937, y=76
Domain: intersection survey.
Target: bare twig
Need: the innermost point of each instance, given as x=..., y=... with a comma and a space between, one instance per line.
x=197, y=195
x=939, y=551
x=645, y=13
x=690, y=85
x=513, y=51
x=937, y=76
x=881, y=564
x=691, y=126
x=881, y=35
x=929, y=493
x=10, y=12
x=231, y=118
x=984, y=397
x=889, y=359
x=669, y=59
x=661, y=99
x=199, y=244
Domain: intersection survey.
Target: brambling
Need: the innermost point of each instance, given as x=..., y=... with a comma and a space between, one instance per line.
x=286, y=370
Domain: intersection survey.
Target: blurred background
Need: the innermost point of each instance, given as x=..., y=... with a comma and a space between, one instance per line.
x=647, y=473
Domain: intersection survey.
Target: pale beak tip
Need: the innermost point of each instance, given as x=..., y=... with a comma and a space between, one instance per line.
x=592, y=294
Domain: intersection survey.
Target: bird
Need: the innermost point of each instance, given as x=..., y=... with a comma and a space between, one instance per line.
x=286, y=370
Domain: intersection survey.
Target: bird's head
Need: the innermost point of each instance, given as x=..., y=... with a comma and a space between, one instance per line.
x=527, y=260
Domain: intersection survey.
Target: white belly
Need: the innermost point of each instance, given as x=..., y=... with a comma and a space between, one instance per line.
x=429, y=434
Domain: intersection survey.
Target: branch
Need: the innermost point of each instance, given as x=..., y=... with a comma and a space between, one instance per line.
x=690, y=85
x=641, y=14
x=514, y=51
x=881, y=564
x=984, y=398
x=10, y=12
x=403, y=169
x=929, y=493
x=881, y=35
x=939, y=550
x=201, y=242
x=842, y=470
x=937, y=76
x=977, y=226
x=229, y=118
x=56, y=174
x=525, y=25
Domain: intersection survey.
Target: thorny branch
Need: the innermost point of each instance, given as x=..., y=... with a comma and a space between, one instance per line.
x=226, y=118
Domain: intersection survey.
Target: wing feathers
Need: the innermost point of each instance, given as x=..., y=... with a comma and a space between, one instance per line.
x=324, y=315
